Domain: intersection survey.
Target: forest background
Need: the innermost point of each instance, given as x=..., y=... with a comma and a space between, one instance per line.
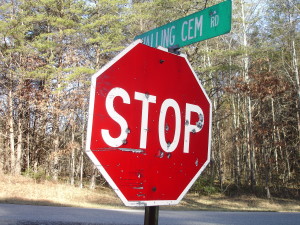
x=50, y=48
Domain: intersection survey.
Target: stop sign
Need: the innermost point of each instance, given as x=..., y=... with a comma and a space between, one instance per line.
x=149, y=125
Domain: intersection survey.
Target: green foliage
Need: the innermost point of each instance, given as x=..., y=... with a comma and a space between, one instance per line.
x=204, y=186
x=74, y=73
x=38, y=175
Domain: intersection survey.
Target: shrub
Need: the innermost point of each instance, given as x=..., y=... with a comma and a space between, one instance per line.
x=204, y=186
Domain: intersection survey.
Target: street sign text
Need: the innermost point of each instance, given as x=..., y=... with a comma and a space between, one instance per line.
x=202, y=25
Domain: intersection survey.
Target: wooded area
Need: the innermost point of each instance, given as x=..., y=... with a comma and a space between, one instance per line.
x=50, y=48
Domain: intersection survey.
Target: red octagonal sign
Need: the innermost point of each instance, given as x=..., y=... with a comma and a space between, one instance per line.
x=149, y=125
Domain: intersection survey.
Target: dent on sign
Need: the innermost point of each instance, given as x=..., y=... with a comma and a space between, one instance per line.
x=146, y=100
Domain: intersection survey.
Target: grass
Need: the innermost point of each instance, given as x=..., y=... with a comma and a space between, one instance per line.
x=25, y=190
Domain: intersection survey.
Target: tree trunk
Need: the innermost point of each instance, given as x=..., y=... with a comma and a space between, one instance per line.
x=93, y=178
x=55, y=158
x=11, y=133
x=2, y=152
x=296, y=72
x=81, y=169
x=274, y=133
x=248, y=104
x=287, y=161
x=56, y=133
x=220, y=156
x=18, y=167
x=28, y=151
x=72, y=164
x=237, y=169
x=82, y=148
x=214, y=164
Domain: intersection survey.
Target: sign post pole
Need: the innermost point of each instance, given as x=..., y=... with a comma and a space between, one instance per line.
x=151, y=215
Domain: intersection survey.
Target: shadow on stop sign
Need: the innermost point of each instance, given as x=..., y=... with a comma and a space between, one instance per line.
x=149, y=125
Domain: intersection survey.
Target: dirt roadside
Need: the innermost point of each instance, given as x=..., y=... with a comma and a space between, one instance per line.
x=24, y=190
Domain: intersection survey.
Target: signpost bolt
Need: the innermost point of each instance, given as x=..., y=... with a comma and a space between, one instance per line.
x=175, y=49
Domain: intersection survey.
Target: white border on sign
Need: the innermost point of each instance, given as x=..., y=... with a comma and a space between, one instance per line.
x=89, y=136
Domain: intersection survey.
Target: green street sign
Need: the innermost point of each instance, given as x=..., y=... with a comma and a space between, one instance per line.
x=199, y=26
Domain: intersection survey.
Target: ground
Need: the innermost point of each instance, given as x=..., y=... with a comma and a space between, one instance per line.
x=25, y=190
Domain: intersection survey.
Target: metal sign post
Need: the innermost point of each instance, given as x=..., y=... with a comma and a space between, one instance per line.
x=151, y=215
x=149, y=124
